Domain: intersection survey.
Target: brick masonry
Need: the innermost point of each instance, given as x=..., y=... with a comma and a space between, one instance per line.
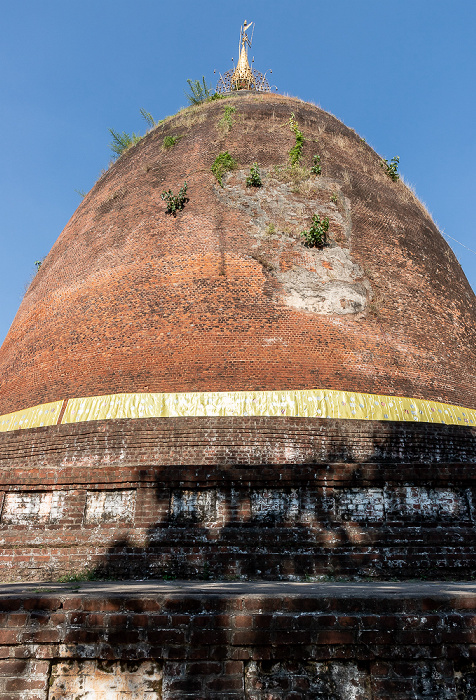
x=130, y=299
x=216, y=299
x=273, y=498
x=338, y=642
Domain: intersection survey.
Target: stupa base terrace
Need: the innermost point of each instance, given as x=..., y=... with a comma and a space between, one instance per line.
x=236, y=498
x=174, y=640
x=262, y=516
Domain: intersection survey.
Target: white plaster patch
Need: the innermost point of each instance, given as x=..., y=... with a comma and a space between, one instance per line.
x=105, y=680
x=362, y=504
x=416, y=502
x=194, y=505
x=109, y=506
x=409, y=502
x=33, y=507
x=320, y=281
x=275, y=505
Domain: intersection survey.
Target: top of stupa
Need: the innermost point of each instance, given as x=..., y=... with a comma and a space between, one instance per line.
x=243, y=77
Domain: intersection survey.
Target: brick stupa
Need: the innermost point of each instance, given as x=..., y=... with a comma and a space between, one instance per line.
x=203, y=396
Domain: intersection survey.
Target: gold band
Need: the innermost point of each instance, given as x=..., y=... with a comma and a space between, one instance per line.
x=313, y=403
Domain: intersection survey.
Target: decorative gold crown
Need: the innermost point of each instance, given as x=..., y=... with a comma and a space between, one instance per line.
x=243, y=77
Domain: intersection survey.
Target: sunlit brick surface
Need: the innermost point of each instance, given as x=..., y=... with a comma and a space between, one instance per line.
x=130, y=299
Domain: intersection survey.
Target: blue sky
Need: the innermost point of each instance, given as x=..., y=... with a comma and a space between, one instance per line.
x=402, y=74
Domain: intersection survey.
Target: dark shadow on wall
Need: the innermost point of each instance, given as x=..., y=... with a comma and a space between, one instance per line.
x=392, y=502
x=399, y=504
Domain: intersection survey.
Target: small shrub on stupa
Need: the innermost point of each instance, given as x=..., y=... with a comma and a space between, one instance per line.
x=199, y=91
x=226, y=122
x=224, y=162
x=122, y=142
x=175, y=202
x=391, y=168
x=296, y=151
x=254, y=178
x=170, y=141
x=316, y=167
x=316, y=237
x=149, y=118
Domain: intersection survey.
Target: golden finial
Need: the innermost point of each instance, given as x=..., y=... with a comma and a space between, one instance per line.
x=243, y=77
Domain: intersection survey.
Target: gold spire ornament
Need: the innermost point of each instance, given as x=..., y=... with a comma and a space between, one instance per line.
x=243, y=77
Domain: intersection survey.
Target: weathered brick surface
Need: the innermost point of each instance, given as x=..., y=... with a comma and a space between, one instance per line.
x=170, y=646
x=130, y=299
x=247, y=497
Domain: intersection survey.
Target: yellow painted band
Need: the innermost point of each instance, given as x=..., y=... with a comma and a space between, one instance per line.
x=313, y=403
x=45, y=414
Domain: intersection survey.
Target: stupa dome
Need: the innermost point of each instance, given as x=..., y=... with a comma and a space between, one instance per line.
x=225, y=296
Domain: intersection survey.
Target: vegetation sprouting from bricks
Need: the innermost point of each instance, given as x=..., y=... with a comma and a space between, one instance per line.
x=170, y=141
x=226, y=122
x=316, y=167
x=201, y=92
x=296, y=151
x=223, y=163
x=121, y=142
x=391, y=168
x=316, y=237
x=254, y=178
x=175, y=202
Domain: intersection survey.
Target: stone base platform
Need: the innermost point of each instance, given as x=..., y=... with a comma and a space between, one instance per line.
x=258, y=640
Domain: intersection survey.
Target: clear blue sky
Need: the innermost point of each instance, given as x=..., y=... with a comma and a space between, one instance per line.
x=402, y=74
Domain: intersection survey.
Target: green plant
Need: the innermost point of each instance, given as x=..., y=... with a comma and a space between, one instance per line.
x=170, y=141
x=122, y=142
x=81, y=193
x=175, y=202
x=38, y=264
x=149, y=118
x=391, y=168
x=334, y=198
x=296, y=151
x=316, y=168
x=270, y=229
x=200, y=92
x=254, y=178
x=316, y=237
x=85, y=575
x=226, y=122
x=222, y=164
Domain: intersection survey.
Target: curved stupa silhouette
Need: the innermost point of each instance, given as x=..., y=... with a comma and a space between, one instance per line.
x=266, y=374
x=218, y=335
x=225, y=296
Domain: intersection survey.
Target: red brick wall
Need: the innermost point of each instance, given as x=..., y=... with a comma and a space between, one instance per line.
x=249, y=497
x=130, y=299
x=339, y=643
